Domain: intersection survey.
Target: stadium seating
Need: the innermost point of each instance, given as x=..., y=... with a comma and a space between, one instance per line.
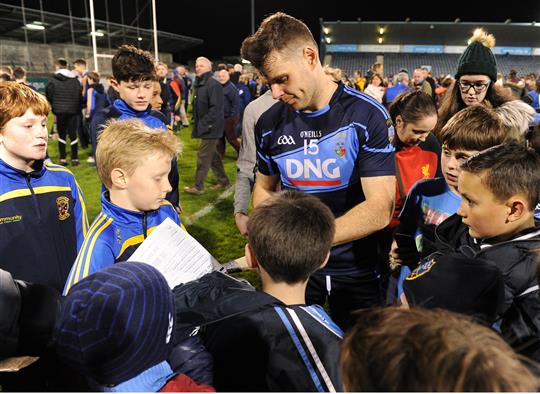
x=440, y=64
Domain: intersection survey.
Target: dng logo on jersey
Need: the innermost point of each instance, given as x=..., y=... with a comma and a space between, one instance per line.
x=313, y=172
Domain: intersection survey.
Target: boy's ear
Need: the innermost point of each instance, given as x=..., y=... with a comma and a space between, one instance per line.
x=517, y=208
x=325, y=260
x=114, y=84
x=399, y=121
x=250, y=257
x=119, y=178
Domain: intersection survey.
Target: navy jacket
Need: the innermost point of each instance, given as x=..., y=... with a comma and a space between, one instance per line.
x=120, y=110
x=275, y=344
x=42, y=223
x=208, y=108
x=231, y=101
x=520, y=312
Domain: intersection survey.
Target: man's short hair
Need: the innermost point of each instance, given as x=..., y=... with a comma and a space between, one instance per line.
x=291, y=234
x=61, y=62
x=401, y=76
x=396, y=349
x=133, y=64
x=16, y=98
x=126, y=143
x=474, y=128
x=277, y=32
x=19, y=72
x=80, y=61
x=507, y=170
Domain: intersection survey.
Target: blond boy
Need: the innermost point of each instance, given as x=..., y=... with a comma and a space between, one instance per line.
x=133, y=162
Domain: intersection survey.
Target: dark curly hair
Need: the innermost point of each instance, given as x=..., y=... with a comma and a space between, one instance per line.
x=133, y=64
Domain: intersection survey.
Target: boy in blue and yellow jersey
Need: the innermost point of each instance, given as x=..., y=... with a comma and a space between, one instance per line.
x=42, y=212
x=134, y=71
x=133, y=162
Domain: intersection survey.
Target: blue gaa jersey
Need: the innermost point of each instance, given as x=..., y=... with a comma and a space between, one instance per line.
x=325, y=153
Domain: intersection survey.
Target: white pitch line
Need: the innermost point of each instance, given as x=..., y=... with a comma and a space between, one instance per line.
x=189, y=220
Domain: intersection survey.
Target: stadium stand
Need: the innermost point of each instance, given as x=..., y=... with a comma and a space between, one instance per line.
x=440, y=64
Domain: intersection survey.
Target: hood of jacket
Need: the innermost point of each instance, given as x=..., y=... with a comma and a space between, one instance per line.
x=63, y=74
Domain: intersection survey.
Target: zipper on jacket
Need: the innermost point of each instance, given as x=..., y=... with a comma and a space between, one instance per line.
x=34, y=198
x=144, y=225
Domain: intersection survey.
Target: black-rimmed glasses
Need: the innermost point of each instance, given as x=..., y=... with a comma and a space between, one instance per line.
x=479, y=86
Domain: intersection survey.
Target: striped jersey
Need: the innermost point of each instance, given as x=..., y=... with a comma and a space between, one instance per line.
x=42, y=223
x=113, y=237
x=326, y=153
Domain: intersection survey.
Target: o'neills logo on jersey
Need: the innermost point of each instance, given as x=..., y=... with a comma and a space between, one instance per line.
x=315, y=172
x=311, y=134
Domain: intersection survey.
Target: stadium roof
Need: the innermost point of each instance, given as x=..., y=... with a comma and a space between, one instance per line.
x=429, y=33
x=60, y=28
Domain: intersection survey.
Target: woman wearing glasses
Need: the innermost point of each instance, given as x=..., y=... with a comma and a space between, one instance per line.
x=475, y=80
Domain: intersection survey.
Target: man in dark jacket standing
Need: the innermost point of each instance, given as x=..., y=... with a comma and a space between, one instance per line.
x=231, y=111
x=208, y=116
x=64, y=93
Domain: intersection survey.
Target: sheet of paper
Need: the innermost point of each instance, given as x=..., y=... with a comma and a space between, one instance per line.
x=175, y=253
x=14, y=364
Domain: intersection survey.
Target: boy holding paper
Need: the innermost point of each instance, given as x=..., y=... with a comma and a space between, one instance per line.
x=133, y=162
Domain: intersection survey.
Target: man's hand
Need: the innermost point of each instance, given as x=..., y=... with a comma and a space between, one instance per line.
x=241, y=220
x=400, y=256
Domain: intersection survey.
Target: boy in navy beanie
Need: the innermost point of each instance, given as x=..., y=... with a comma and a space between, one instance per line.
x=117, y=325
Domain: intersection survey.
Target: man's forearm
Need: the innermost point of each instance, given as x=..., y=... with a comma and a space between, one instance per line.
x=364, y=219
x=260, y=194
x=242, y=193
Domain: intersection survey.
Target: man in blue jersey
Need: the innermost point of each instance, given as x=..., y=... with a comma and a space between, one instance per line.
x=331, y=141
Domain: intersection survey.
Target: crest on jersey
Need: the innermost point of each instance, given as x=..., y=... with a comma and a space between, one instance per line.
x=391, y=134
x=340, y=149
x=425, y=170
x=62, y=204
x=422, y=269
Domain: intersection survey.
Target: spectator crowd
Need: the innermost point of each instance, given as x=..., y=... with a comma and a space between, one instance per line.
x=394, y=225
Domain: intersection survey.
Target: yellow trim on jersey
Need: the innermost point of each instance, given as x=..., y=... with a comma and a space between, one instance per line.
x=84, y=217
x=92, y=235
x=137, y=239
x=92, y=244
x=37, y=190
x=56, y=167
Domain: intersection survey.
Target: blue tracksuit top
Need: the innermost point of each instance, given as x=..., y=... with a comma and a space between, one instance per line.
x=114, y=235
x=42, y=223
